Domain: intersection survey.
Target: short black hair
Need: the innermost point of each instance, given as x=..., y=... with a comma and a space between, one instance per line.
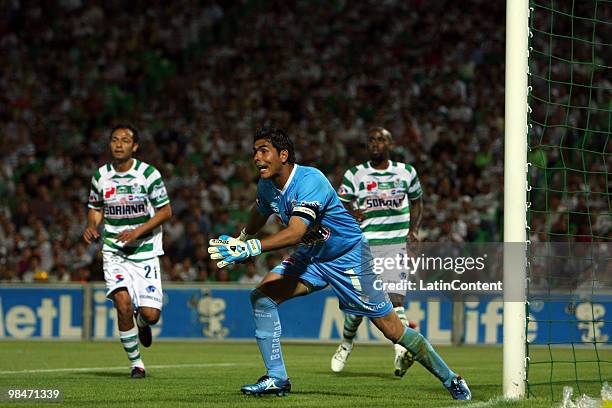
x=381, y=130
x=131, y=128
x=279, y=139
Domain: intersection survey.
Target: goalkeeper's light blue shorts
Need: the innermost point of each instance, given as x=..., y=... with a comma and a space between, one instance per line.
x=351, y=277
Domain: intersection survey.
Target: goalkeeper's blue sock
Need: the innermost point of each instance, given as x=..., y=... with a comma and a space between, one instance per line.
x=268, y=333
x=424, y=353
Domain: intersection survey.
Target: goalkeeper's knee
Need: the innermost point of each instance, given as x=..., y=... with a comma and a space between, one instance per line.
x=265, y=314
x=261, y=301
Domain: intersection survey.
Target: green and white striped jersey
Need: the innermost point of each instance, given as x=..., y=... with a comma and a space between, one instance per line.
x=129, y=200
x=384, y=197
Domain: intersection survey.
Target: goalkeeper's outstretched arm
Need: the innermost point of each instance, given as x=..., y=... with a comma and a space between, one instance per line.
x=256, y=222
x=286, y=237
x=230, y=250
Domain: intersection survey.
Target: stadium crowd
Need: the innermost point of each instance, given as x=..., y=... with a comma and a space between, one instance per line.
x=197, y=79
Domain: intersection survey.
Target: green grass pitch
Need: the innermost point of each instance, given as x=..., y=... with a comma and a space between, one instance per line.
x=205, y=374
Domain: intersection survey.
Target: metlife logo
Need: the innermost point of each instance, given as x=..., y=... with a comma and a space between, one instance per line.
x=28, y=312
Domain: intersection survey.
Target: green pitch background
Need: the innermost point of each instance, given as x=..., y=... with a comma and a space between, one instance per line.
x=190, y=374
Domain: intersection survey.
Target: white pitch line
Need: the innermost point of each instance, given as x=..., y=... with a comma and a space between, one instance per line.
x=98, y=369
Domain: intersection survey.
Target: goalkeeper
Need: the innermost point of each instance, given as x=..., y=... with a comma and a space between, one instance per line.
x=334, y=252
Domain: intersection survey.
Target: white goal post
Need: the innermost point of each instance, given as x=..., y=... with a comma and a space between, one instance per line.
x=515, y=198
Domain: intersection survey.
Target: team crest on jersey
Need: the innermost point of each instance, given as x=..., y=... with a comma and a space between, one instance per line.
x=109, y=192
x=119, y=278
x=397, y=183
x=371, y=185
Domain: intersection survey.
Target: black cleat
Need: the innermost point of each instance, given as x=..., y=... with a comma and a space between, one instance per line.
x=138, y=372
x=145, y=336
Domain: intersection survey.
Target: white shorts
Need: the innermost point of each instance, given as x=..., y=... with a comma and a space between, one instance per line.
x=142, y=279
x=395, y=274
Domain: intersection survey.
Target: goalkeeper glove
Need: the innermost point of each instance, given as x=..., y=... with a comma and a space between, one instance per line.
x=231, y=250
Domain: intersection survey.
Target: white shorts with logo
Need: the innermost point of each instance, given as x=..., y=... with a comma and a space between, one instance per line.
x=142, y=279
x=396, y=274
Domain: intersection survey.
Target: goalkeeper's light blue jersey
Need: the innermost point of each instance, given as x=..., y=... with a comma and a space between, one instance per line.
x=332, y=231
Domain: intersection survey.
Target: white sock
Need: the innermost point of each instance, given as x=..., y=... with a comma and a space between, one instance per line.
x=399, y=349
x=401, y=313
x=347, y=344
x=129, y=340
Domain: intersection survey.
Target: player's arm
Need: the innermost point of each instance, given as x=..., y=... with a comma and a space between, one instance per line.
x=94, y=215
x=347, y=194
x=315, y=193
x=94, y=218
x=416, y=214
x=350, y=206
x=287, y=237
x=162, y=214
x=256, y=222
x=231, y=250
x=313, y=197
x=415, y=195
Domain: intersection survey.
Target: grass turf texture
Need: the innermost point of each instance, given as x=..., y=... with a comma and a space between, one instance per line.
x=210, y=374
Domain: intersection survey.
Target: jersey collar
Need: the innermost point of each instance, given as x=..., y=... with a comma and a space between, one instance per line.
x=372, y=167
x=286, y=186
x=134, y=161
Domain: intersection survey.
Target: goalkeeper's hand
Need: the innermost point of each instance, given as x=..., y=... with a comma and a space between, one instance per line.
x=231, y=250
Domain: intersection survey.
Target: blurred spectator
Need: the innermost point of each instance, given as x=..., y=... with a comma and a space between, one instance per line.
x=197, y=80
x=250, y=277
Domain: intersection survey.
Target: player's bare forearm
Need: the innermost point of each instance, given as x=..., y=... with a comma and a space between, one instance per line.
x=94, y=218
x=256, y=222
x=416, y=215
x=287, y=237
x=161, y=215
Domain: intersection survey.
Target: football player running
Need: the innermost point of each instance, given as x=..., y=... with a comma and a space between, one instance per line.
x=130, y=197
x=385, y=197
x=333, y=252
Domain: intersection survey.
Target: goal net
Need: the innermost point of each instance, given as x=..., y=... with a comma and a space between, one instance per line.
x=568, y=201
